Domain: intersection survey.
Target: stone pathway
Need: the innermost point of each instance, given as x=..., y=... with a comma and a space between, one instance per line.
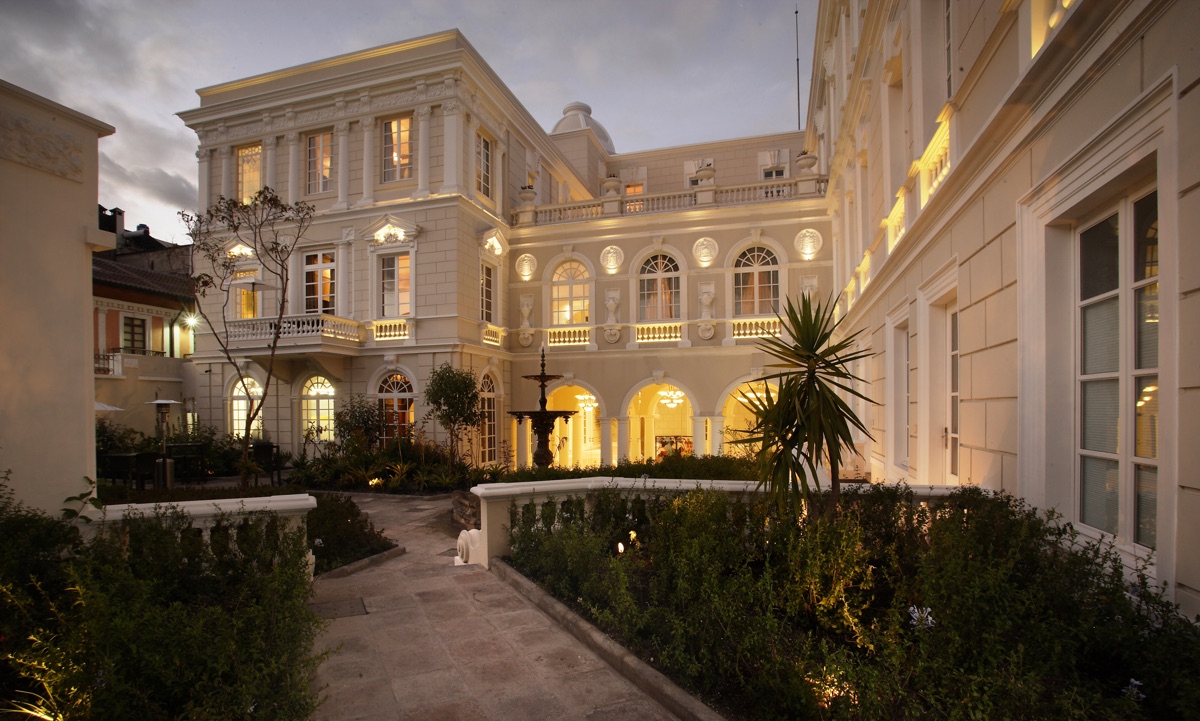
x=420, y=638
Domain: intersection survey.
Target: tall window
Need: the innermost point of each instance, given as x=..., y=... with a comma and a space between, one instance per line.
x=487, y=428
x=316, y=408
x=396, y=398
x=397, y=149
x=571, y=292
x=318, y=283
x=952, y=431
x=483, y=166
x=395, y=286
x=948, y=28
x=133, y=335
x=486, y=292
x=1118, y=371
x=245, y=303
x=756, y=282
x=320, y=162
x=658, y=288
x=246, y=397
x=249, y=172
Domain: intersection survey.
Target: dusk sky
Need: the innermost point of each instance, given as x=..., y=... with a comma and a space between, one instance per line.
x=657, y=73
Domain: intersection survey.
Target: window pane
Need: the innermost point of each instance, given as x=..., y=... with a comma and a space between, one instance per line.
x=1147, y=326
x=1100, y=411
x=1145, y=223
x=1098, y=259
x=1146, y=480
x=1101, y=337
x=1098, y=493
x=1145, y=421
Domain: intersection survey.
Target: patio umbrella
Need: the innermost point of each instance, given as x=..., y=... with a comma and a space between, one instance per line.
x=106, y=407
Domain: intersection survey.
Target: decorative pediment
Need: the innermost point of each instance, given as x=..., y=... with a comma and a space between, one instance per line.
x=390, y=230
x=493, y=244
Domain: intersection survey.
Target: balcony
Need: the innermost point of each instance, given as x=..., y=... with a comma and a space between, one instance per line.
x=705, y=196
x=754, y=328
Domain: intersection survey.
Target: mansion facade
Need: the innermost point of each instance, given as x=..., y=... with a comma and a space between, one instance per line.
x=998, y=193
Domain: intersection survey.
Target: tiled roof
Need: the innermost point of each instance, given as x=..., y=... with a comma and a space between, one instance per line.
x=110, y=272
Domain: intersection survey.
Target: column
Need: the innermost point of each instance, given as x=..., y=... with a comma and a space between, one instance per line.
x=717, y=434
x=699, y=443
x=344, y=270
x=202, y=157
x=622, y=438
x=452, y=147
x=225, y=153
x=498, y=172
x=469, y=188
x=522, y=444
x=342, y=131
x=102, y=330
x=606, y=454
x=575, y=429
x=293, y=170
x=423, y=143
x=369, y=159
x=269, y=144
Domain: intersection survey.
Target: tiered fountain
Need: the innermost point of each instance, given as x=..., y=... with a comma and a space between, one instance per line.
x=542, y=420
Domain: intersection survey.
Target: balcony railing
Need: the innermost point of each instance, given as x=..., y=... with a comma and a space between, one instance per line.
x=577, y=335
x=658, y=332
x=492, y=335
x=754, y=327
x=700, y=196
x=295, y=326
x=392, y=329
x=108, y=364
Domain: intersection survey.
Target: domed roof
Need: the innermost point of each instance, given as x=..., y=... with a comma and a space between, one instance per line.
x=578, y=116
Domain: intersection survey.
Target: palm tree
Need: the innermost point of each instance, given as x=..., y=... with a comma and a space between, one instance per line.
x=806, y=421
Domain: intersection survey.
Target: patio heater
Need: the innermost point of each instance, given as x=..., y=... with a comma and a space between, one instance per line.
x=164, y=468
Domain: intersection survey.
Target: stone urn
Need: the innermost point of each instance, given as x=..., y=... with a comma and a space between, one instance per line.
x=612, y=185
x=706, y=173
x=527, y=195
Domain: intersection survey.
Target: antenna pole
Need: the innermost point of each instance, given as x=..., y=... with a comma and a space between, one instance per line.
x=799, y=125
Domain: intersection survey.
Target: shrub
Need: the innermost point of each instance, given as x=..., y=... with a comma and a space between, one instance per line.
x=340, y=533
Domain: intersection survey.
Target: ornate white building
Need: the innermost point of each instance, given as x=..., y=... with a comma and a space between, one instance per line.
x=1013, y=190
x=451, y=227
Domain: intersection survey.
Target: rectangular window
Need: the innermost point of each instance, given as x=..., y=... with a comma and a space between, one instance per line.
x=483, y=166
x=319, y=283
x=1117, y=376
x=395, y=286
x=634, y=189
x=249, y=172
x=772, y=173
x=133, y=335
x=320, y=163
x=486, y=292
x=397, y=150
x=245, y=303
x=659, y=298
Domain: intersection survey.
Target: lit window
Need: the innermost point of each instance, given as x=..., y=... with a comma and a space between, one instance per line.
x=246, y=398
x=486, y=292
x=316, y=409
x=245, y=303
x=487, y=429
x=397, y=150
x=249, y=172
x=395, y=286
x=483, y=166
x=318, y=283
x=1118, y=371
x=396, y=399
x=320, y=163
x=658, y=289
x=571, y=292
x=634, y=189
x=756, y=283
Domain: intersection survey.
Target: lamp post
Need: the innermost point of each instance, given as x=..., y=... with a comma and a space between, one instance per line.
x=164, y=468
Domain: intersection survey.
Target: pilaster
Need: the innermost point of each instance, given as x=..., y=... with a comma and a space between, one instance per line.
x=367, y=125
x=423, y=142
x=452, y=139
x=342, y=132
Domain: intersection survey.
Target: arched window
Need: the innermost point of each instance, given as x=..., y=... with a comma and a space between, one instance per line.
x=756, y=282
x=316, y=409
x=396, y=398
x=487, y=427
x=658, y=289
x=245, y=397
x=571, y=293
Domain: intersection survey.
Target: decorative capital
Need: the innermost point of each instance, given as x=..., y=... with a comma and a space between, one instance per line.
x=423, y=112
x=342, y=128
x=367, y=123
x=270, y=141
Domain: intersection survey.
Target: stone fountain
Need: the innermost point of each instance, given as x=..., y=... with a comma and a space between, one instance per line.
x=542, y=420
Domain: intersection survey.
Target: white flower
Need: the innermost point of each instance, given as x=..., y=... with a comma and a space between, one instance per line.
x=921, y=617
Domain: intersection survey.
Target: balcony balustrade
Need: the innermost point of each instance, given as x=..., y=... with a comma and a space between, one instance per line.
x=295, y=327
x=392, y=329
x=576, y=335
x=658, y=332
x=754, y=327
x=492, y=335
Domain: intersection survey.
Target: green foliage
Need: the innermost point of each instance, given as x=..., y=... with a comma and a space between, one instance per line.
x=805, y=422
x=452, y=395
x=340, y=533
x=980, y=609
x=358, y=423
x=145, y=621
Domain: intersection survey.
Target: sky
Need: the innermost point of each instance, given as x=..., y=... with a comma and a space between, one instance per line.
x=657, y=73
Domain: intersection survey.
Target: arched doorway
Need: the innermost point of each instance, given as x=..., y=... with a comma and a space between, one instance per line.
x=738, y=412
x=576, y=443
x=660, y=423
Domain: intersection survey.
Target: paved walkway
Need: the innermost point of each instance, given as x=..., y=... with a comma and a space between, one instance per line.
x=420, y=638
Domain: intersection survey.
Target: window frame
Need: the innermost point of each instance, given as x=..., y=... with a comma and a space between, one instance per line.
x=317, y=155
x=398, y=421
x=238, y=402
x=754, y=274
x=401, y=169
x=484, y=158
x=487, y=292
x=316, y=408
x=403, y=295
x=583, y=282
x=242, y=155
x=489, y=424
x=320, y=266
x=650, y=286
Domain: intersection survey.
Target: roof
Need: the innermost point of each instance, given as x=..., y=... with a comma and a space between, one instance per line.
x=110, y=272
x=578, y=116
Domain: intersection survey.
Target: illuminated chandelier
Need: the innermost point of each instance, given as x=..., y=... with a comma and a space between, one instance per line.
x=671, y=398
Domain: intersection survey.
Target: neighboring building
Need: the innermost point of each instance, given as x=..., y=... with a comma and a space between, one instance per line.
x=48, y=186
x=1013, y=188
x=450, y=227
x=142, y=333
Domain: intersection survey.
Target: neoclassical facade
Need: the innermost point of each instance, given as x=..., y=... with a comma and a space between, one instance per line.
x=1013, y=196
x=452, y=228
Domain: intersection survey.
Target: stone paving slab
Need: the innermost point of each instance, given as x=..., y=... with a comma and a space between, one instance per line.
x=416, y=637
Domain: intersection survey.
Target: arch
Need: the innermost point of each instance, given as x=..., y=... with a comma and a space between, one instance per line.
x=552, y=265
x=756, y=287
x=317, y=406
x=242, y=395
x=738, y=247
x=489, y=430
x=655, y=425
x=582, y=437
x=660, y=287
x=397, y=397
x=570, y=286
